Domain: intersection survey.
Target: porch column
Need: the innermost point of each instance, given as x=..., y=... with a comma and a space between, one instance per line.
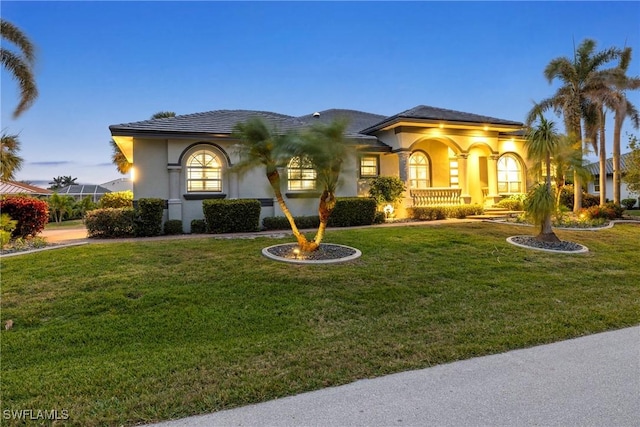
x=175, y=202
x=464, y=182
x=492, y=173
x=403, y=173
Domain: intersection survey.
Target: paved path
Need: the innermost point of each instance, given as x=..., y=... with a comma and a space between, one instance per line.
x=588, y=381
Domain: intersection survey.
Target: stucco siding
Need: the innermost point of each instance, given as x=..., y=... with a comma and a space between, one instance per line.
x=151, y=174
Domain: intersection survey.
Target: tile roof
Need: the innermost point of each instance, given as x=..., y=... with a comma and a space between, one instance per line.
x=210, y=122
x=11, y=187
x=594, y=168
x=424, y=112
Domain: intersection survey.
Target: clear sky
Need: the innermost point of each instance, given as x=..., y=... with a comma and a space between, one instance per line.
x=104, y=63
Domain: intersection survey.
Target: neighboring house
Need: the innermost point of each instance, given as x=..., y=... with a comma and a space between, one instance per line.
x=445, y=157
x=12, y=187
x=80, y=191
x=117, y=185
x=594, y=186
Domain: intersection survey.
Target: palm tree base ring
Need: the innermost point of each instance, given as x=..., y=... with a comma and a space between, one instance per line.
x=530, y=242
x=327, y=253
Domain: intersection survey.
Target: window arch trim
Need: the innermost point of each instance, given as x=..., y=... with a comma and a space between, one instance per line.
x=419, y=178
x=510, y=171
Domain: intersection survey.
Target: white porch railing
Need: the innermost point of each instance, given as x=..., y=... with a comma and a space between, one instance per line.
x=436, y=197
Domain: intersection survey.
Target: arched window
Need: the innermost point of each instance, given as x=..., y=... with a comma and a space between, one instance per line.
x=204, y=172
x=419, y=171
x=509, y=174
x=301, y=175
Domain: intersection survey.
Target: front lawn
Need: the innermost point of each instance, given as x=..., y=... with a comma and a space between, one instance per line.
x=126, y=333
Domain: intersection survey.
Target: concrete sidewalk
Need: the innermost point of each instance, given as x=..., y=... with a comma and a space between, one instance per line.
x=588, y=381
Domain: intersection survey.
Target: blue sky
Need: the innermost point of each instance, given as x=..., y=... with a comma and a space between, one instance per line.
x=104, y=63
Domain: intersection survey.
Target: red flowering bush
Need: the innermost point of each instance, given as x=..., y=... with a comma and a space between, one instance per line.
x=595, y=212
x=32, y=214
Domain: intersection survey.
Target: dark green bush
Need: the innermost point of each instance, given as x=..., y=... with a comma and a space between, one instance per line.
x=513, y=202
x=588, y=200
x=149, y=217
x=198, y=226
x=628, y=203
x=353, y=211
x=281, y=222
x=463, y=211
x=379, y=218
x=173, y=226
x=618, y=210
x=32, y=214
x=110, y=222
x=231, y=216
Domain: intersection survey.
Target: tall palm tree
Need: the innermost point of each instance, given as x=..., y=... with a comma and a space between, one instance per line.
x=119, y=159
x=541, y=143
x=19, y=64
x=617, y=101
x=163, y=115
x=9, y=159
x=259, y=145
x=578, y=76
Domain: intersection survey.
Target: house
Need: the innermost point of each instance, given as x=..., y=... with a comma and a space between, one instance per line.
x=593, y=187
x=117, y=185
x=12, y=187
x=443, y=156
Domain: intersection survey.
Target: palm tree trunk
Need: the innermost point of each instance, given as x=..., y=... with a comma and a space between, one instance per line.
x=274, y=180
x=546, y=230
x=602, y=158
x=617, y=127
x=327, y=205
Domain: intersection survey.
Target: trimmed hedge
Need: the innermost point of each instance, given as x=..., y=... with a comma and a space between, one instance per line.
x=118, y=199
x=432, y=213
x=148, y=220
x=110, y=222
x=198, y=226
x=32, y=214
x=231, y=216
x=173, y=226
x=353, y=211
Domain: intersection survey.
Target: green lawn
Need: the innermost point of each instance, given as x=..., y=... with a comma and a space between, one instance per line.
x=126, y=333
x=63, y=224
x=632, y=213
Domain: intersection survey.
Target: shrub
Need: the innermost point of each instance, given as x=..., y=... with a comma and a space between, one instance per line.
x=30, y=213
x=628, y=203
x=231, y=216
x=515, y=202
x=379, y=218
x=281, y=222
x=173, y=226
x=463, y=211
x=119, y=199
x=566, y=198
x=353, y=211
x=110, y=222
x=595, y=212
x=429, y=213
x=149, y=217
x=386, y=189
x=618, y=210
x=7, y=225
x=198, y=226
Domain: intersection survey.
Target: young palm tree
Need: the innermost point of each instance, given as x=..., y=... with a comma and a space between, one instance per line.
x=260, y=145
x=578, y=77
x=9, y=159
x=541, y=143
x=324, y=146
x=19, y=64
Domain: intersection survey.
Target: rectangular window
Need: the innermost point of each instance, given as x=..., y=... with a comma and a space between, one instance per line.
x=369, y=167
x=204, y=180
x=596, y=186
x=454, y=181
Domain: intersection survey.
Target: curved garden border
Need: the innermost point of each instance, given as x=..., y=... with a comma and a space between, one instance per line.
x=353, y=254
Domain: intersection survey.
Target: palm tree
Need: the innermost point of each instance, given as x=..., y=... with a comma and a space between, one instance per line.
x=617, y=101
x=541, y=143
x=324, y=146
x=259, y=145
x=19, y=64
x=62, y=181
x=163, y=115
x=119, y=159
x=9, y=159
x=578, y=76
